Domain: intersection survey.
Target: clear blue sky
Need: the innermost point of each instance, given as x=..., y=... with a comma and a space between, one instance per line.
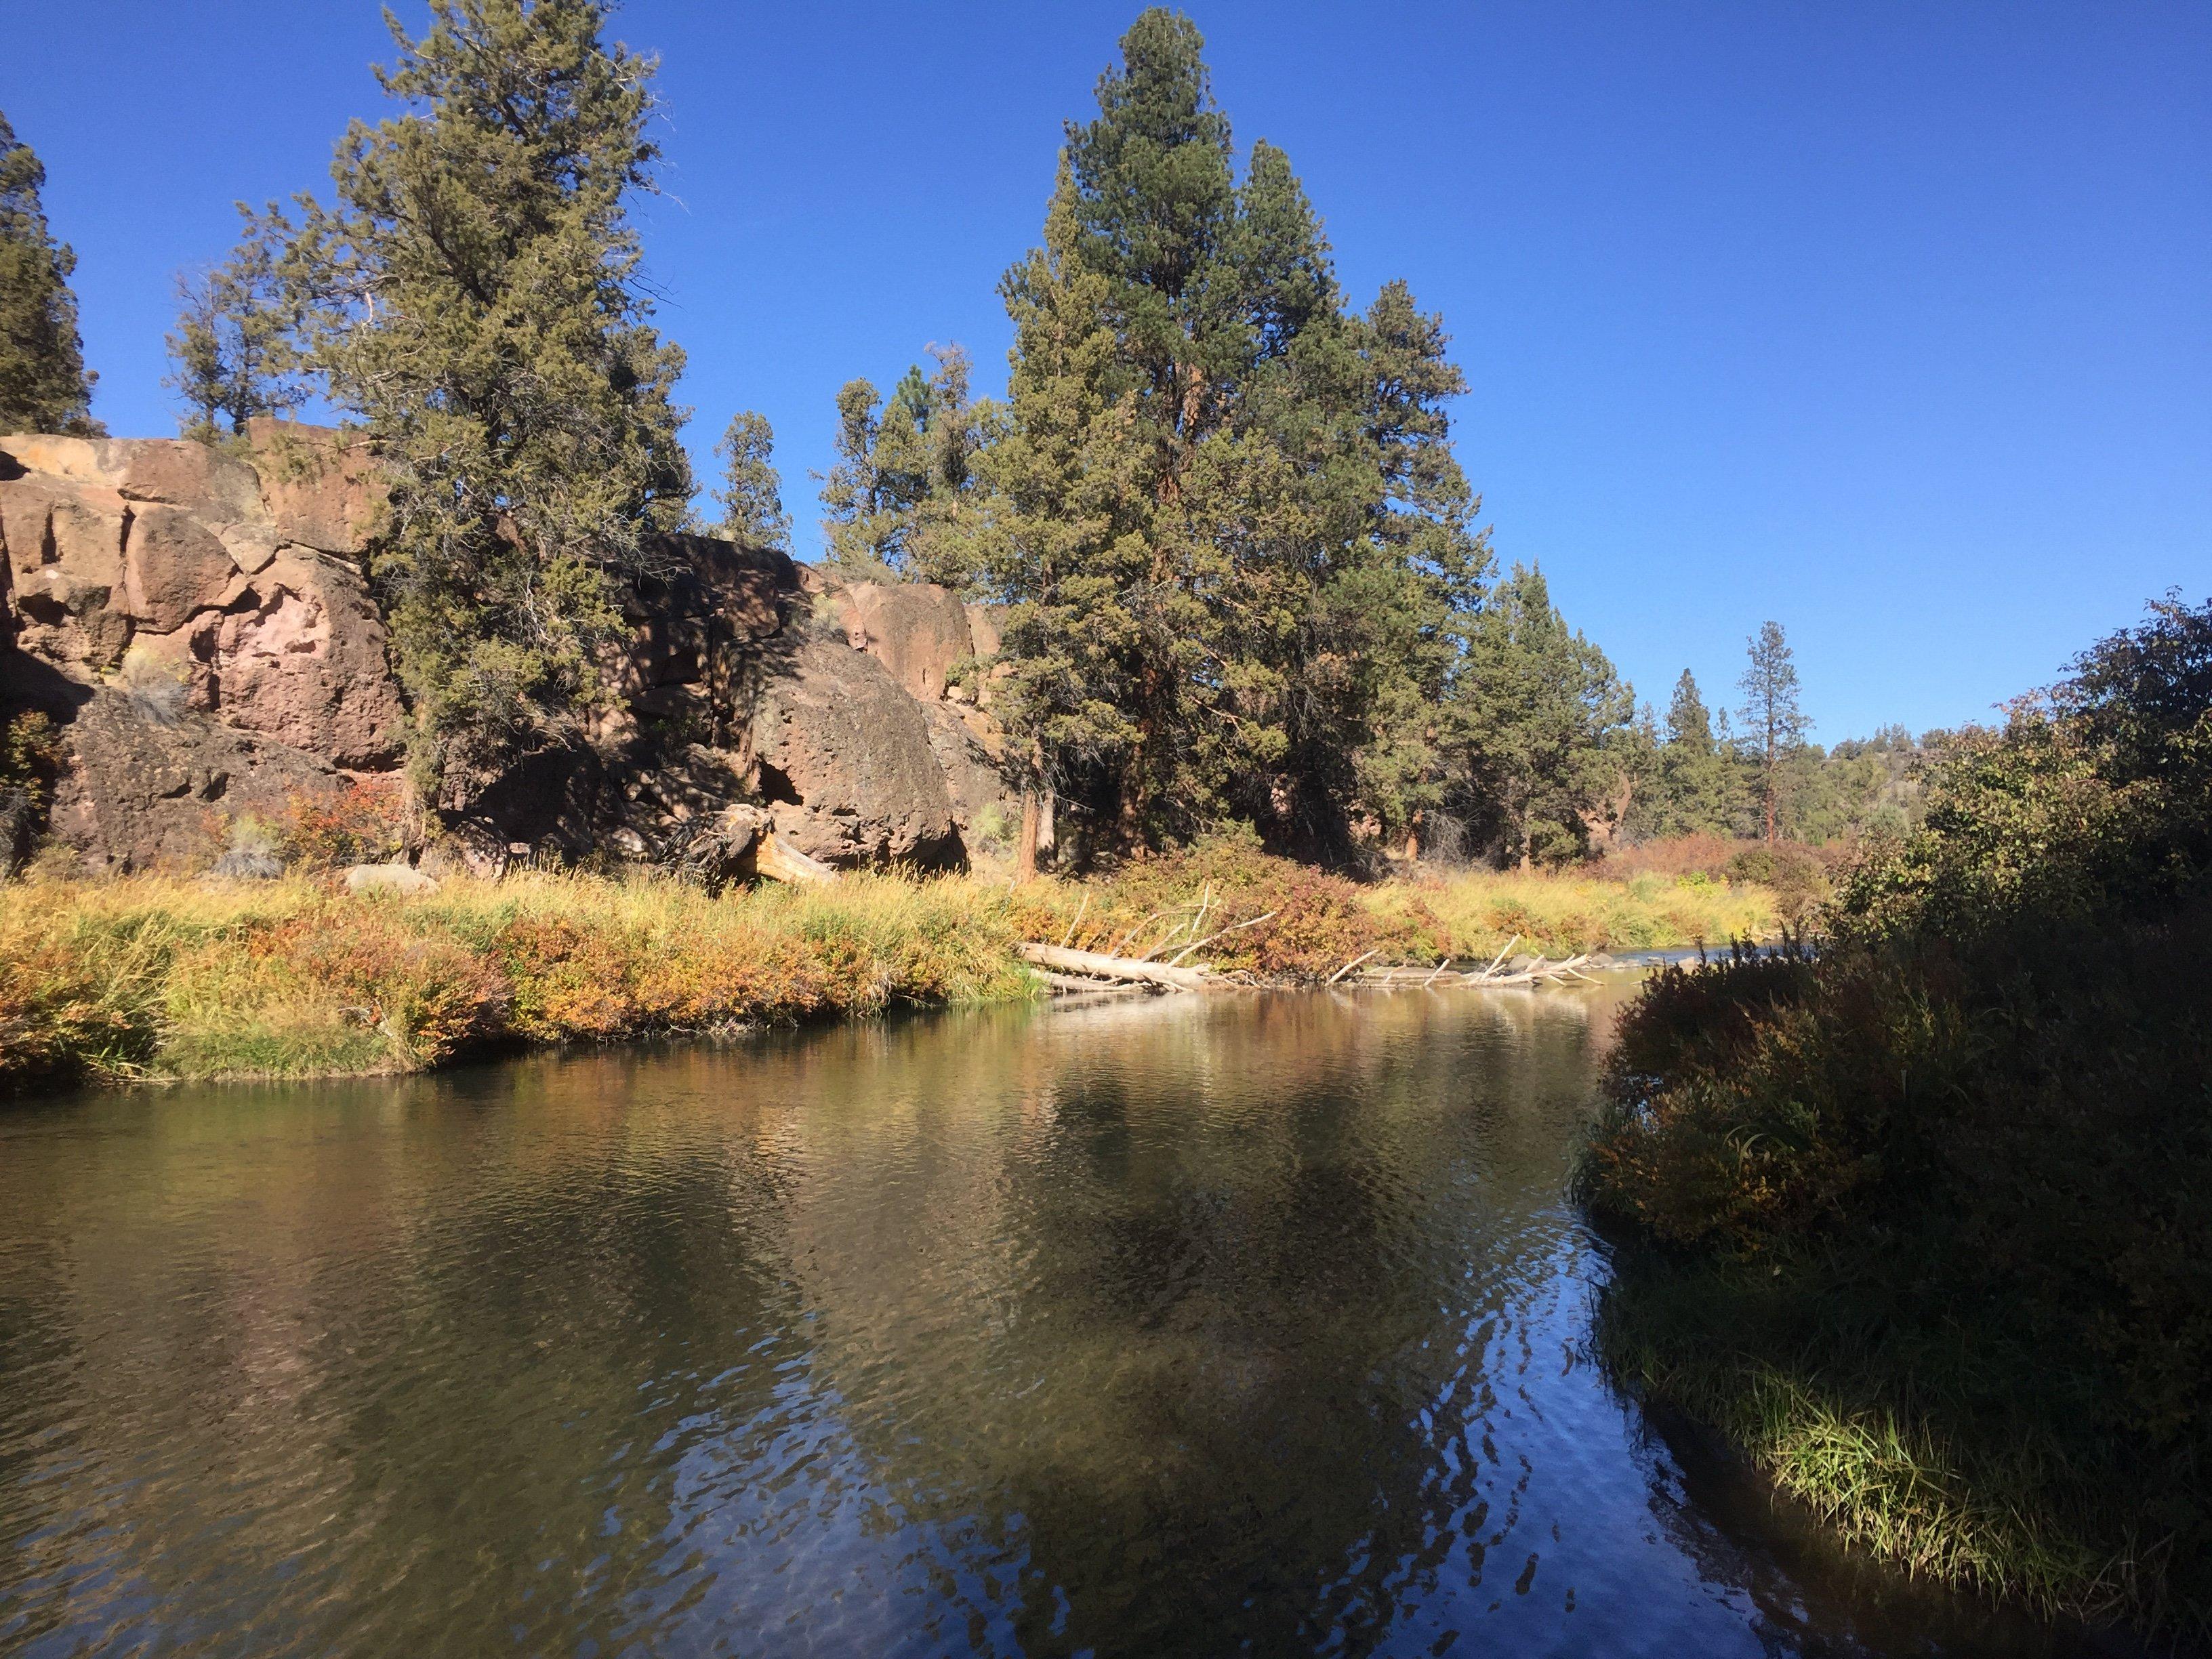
x=1890, y=320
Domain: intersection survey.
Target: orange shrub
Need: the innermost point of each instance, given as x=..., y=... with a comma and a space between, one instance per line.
x=365, y=822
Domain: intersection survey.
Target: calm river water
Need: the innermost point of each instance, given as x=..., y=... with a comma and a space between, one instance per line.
x=1242, y=1325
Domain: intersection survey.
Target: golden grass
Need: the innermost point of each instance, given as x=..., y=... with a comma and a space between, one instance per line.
x=159, y=977
x=163, y=977
x=1560, y=913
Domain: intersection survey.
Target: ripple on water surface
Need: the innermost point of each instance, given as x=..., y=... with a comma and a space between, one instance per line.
x=1193, y=1327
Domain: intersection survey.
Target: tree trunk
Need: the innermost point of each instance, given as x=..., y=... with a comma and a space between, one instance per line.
x=1025, y=850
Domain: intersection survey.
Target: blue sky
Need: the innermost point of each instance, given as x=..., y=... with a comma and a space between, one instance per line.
x=1891, y=321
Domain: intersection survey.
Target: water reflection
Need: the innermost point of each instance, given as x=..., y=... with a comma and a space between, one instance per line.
x=1194, y=1327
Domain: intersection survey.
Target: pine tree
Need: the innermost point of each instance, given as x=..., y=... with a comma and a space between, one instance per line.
x=751, y=495
x=1538, y=707
x=44, y=384
x=1223, y=511
x=1774, y=727
x=903, y=472
x=1696, y=787
x=232, y=348
x=473, y=295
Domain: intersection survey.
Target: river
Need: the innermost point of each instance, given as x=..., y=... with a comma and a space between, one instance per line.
x=1243, y=1324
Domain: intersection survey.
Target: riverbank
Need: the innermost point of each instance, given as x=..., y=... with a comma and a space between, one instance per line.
x=161, y=978
x=1923, y=1223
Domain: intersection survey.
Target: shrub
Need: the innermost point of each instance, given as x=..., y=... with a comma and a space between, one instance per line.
x=365, y=821
x=1981, y=1121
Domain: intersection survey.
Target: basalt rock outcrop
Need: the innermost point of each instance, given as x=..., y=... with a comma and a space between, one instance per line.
x=199, y=624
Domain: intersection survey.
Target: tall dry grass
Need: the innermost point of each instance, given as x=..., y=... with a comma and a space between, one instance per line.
x=160, y=977
x=163, y=977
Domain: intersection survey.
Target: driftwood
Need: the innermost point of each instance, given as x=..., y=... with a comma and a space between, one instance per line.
x=1122, y=968
x=1349, y=966
x=1539, y=972
x=779, y=860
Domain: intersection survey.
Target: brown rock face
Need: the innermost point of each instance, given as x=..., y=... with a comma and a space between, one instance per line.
x=846, y=764
x=318, y=487
x=152, y=787
x=987, y=808
x=202, y=628
x=916, y=629
x=300, y=656
x=63, y=549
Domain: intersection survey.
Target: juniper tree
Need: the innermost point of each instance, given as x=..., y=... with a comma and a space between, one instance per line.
x=473, y=293
x=1774, y=729
x=751, y=495
x=44, y=384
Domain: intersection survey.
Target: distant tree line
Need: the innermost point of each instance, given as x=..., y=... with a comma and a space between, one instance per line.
x=1242, y=569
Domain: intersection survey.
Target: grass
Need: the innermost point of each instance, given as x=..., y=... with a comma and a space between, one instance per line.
x=1913, y=1439
x=1319, y=921
x=1560, y=913
x=157, y=977
x=162, y=977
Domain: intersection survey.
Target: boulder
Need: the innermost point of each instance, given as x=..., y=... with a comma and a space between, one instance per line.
x=845, y=761
x=404, y=879
x=299, y=653
x=987, y=808
x=916, y=629
x=174, y=568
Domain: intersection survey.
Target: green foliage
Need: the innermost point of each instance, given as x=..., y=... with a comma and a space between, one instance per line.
x=1696, y=789
x=751, y=495
x=1540, y=708
x=897, y=501
x=1223, y=510
x=473, y=295
x=1987, y=1100
x=233, y=349
x=1774, y=727
x=31, y=761
x=44, y=384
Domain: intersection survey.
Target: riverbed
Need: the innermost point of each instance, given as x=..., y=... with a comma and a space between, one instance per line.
x=1195, y=1325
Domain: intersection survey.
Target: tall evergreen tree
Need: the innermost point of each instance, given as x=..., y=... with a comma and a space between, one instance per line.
x=44, y=384
x=903, y=472
x=1537, y=711
x=751, y=494
x=1225, y=514
x=233, y=349
x=473, y=295
x=1774, y=728
x=1696, y=789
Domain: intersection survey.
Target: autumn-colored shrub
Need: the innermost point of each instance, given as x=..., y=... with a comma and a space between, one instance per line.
x=364, y=821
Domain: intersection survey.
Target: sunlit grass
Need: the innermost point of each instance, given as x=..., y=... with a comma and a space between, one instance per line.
x=160, y=976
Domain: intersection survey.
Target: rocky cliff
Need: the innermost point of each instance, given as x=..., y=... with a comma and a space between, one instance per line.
x=200, y=626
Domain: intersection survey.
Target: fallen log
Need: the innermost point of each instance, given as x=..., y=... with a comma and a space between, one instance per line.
x=1113, y=967
x=781, y=861
x=1075, y=985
